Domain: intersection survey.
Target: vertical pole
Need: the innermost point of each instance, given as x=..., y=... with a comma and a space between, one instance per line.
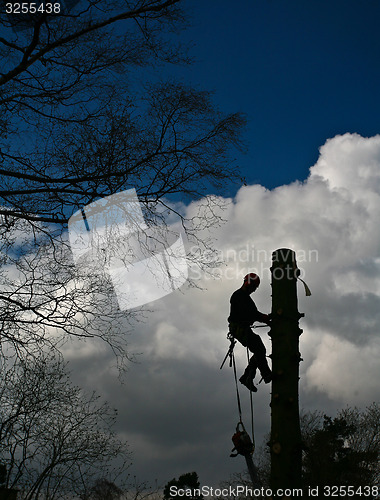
x=285, y=443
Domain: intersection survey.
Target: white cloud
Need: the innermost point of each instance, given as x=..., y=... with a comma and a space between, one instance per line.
x=350, y=162
x=347, y=373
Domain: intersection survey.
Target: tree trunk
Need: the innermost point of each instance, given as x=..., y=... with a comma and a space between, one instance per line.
x=285, y=443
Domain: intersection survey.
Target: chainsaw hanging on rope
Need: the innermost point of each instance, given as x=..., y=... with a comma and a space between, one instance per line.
x=242, y=442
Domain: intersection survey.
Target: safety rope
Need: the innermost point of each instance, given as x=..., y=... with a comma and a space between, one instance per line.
x=236, y=385
x=251, y=402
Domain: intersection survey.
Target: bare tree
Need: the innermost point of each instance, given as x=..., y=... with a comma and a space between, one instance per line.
x=81, y=119
x=89, y=130
x=54, y=438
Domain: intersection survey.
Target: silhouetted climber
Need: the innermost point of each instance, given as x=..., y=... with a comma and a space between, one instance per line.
x=242, y=315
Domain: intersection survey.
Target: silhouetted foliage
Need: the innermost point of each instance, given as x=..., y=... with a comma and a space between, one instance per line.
x=188, y=481
x=103, y=490
x=335, y=456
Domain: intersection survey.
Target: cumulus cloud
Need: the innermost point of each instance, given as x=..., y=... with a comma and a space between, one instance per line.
x=176, y=404
x=345, y=371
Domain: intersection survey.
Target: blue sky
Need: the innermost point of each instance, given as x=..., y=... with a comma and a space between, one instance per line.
x=302, y=71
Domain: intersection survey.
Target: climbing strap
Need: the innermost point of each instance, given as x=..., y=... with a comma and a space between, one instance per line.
x=230, y=350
